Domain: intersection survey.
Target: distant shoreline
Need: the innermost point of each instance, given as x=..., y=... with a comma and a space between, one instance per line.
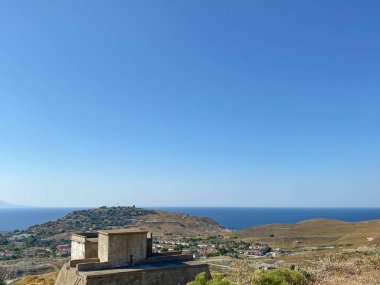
x=234, y=218
x=186, y=207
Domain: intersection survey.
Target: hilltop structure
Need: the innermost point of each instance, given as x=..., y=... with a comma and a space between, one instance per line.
x=125, y=257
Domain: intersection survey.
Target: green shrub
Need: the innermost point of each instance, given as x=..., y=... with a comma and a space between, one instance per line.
x=279, y=277
x=203, y=279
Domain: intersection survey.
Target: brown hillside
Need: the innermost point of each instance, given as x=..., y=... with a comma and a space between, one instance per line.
x=180, y=224
x=318, y=232
x=159, y=222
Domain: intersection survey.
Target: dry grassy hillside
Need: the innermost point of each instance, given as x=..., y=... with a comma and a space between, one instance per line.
x=159, y=222
x=349, y=268
x=319, y=232
x=180, y=224
x=46, y=279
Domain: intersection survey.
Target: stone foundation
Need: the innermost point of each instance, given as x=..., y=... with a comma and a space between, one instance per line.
x=158, y=274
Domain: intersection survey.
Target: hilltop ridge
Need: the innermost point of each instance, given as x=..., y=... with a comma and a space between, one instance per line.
x=159, y=222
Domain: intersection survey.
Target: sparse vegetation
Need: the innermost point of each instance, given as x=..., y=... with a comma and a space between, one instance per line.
x=355, y=267
x=2, y=277
x=203, y=279
x=316, y=233
x=281, y=276
x=46, y=279
x=343, y=267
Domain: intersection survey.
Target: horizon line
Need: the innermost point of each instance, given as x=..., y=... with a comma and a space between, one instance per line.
x=191, y=206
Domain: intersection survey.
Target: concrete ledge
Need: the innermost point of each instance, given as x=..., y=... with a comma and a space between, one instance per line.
x=123, y=232
x=73, y=263
x=82, y=237
x=92, y=266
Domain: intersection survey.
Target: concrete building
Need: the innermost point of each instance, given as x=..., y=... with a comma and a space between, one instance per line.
x=125, y=257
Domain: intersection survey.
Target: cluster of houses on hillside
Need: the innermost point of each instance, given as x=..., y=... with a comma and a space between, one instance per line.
x=211, y=248
x=60, y=250
x=198, y=247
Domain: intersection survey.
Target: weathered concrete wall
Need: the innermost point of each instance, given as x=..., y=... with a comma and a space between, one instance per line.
x=77, y=250
x=91, y=250
x=116, y=247
x=176, y=275
x=69, y=276
x=165, y=276
x=84, y=246
x=103, y=252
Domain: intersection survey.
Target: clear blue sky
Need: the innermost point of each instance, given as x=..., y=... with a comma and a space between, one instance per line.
x=190, y=103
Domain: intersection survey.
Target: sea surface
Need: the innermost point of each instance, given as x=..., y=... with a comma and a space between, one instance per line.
x=22, y=218
x=232, y=218
x=240, y=218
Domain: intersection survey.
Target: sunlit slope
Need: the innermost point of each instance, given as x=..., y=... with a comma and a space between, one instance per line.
x=318, y=232
x=46, y=279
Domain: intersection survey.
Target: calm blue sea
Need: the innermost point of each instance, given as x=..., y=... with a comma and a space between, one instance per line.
x=22, y=218
x=240, y=218
x=232, y=218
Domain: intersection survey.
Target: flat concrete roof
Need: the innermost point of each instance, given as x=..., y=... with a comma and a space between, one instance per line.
x=123, y=232
x=87, y=235
x=92, y=239
x=84, y=237
x=145, y=267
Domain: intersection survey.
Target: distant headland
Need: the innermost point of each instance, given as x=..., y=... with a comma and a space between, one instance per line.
x=5, y=205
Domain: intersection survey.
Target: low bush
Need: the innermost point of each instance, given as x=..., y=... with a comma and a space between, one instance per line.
x=260, y=277
x=204, y=279
x=282, y=276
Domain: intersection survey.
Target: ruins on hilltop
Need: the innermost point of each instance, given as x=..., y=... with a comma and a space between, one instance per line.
x=125, y=257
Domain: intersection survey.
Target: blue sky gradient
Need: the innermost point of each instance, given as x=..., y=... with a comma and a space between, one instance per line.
x=190, y=103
